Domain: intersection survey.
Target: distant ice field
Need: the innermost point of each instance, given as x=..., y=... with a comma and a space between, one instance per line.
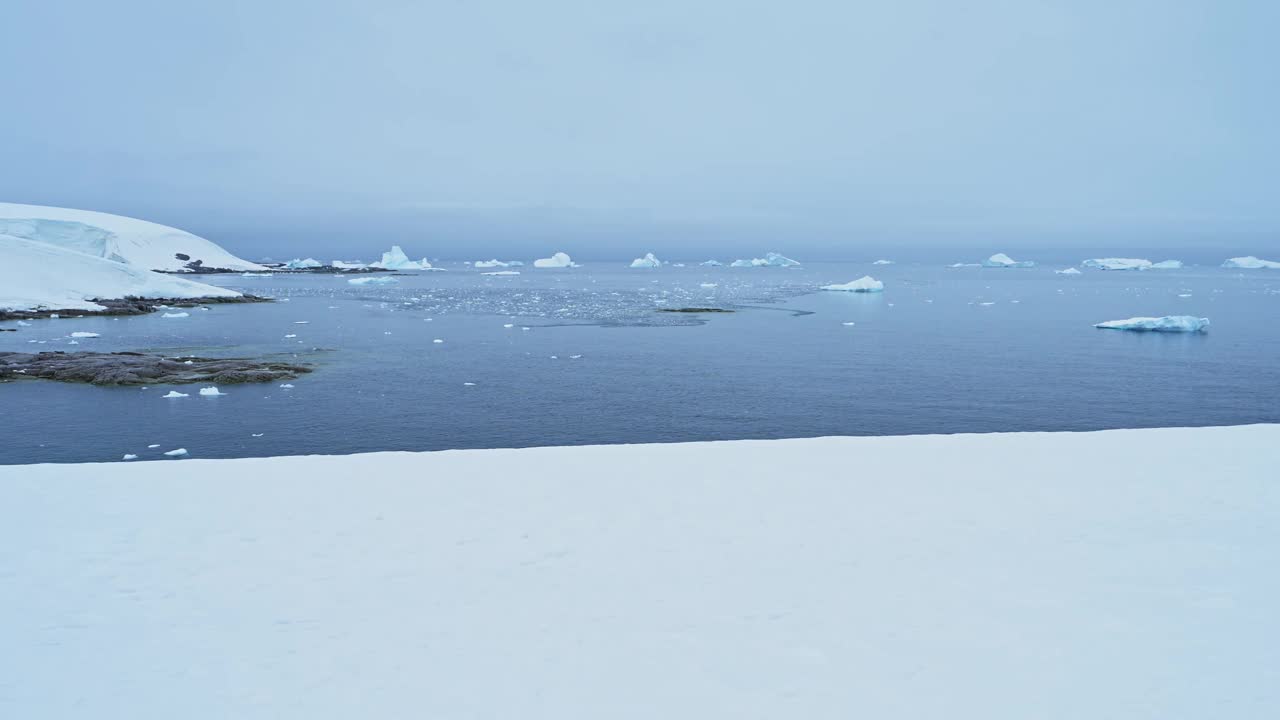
x=940, y=350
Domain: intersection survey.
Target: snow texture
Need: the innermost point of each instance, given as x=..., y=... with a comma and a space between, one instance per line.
x=960, y=576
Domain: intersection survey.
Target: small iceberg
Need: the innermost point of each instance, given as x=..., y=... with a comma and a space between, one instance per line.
x=1118, y=264
x=559, y=260
x=490, y=263
x=177, y=453
x=1167, y=324
x=129, y=456
x=347, y=265
x=864, y=284
x=712, y=263
x=1250, y=262
x=648, y=261
x=771, y=259
x=502, y=272
x=175, y=315
x=1000, y=260
x=175, y=394
x=1167, y=265
x=85, y=335
x=211, y=392
x=255, y=275
x=964, y=265
x=303, y=264
x=395, y=259
x=373, y=280
x=882, y=262
x=1068, y=271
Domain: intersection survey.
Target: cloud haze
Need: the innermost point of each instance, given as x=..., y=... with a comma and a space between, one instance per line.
x=493, y=126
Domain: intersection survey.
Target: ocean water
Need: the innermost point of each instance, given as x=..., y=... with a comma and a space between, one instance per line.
x=587, y=360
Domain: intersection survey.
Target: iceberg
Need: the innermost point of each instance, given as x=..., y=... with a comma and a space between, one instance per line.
x=1068, y=271
x=177, y=453
x=648, y=261
x=347, y=265
x=176, y=315
x=882, y=262
x=1167, y=265
x=490, y=263
x=300, y=264
x=82, y=334
x=172, y=394
x=211, y=391
x=42, y=276
x=119, y=239
x=502, y=272
x=395, y=259
x=373, y=280
x=713, y=263
x=965, y=265
x=1117, y=263
x=559, y=260
x=771, y=259
x=1250, y=262
x=864, y=284
x=1167, y=324
x=1000, y=260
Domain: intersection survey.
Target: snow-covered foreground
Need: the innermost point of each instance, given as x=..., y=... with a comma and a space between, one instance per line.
x=1114, y=574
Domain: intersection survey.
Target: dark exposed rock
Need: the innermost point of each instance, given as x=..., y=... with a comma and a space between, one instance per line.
x=694, y=310
x=131, y=368
x=130, y=306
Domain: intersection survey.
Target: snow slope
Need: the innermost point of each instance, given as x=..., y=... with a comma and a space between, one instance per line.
x=37, y=275
x=1058, y=576
x=114, y=237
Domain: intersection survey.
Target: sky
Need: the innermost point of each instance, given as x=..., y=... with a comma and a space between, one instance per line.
x=612, y=128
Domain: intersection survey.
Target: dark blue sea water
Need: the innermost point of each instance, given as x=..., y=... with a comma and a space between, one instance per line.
x=940, y=351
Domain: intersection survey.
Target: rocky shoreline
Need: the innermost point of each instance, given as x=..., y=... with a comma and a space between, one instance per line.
x=129, y=306
x=132, y=368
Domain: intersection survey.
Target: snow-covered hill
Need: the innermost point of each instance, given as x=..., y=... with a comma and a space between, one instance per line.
x=38, y=275
x=122, y=239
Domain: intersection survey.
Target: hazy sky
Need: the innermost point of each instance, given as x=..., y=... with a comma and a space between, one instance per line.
x=478, y=127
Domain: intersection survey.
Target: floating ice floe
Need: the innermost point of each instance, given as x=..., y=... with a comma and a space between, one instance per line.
x=882, y=262
x=287, y=386
x=85, y=335
x=1068, y=271
x=175, y=315
x=348, y=265
x=648, y=261
x=437, y=341
x=129, y=456
x=175, y=394
x=864, y=284
x=1117, y=263
x=211, y=391
x=502, y=272
x=395, y=259
x=177, y=453
x=1250, y=262
x=1000, y=260
x=712, y=263
x=707, y=285
x=492, y=263
x=771, y=259
x=964, y=265
x=153, y=447
x=559, y=260
x=255, y=275
x=1167, y=265
x=373, y=280
x=303, y=264
x=1168, y=324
